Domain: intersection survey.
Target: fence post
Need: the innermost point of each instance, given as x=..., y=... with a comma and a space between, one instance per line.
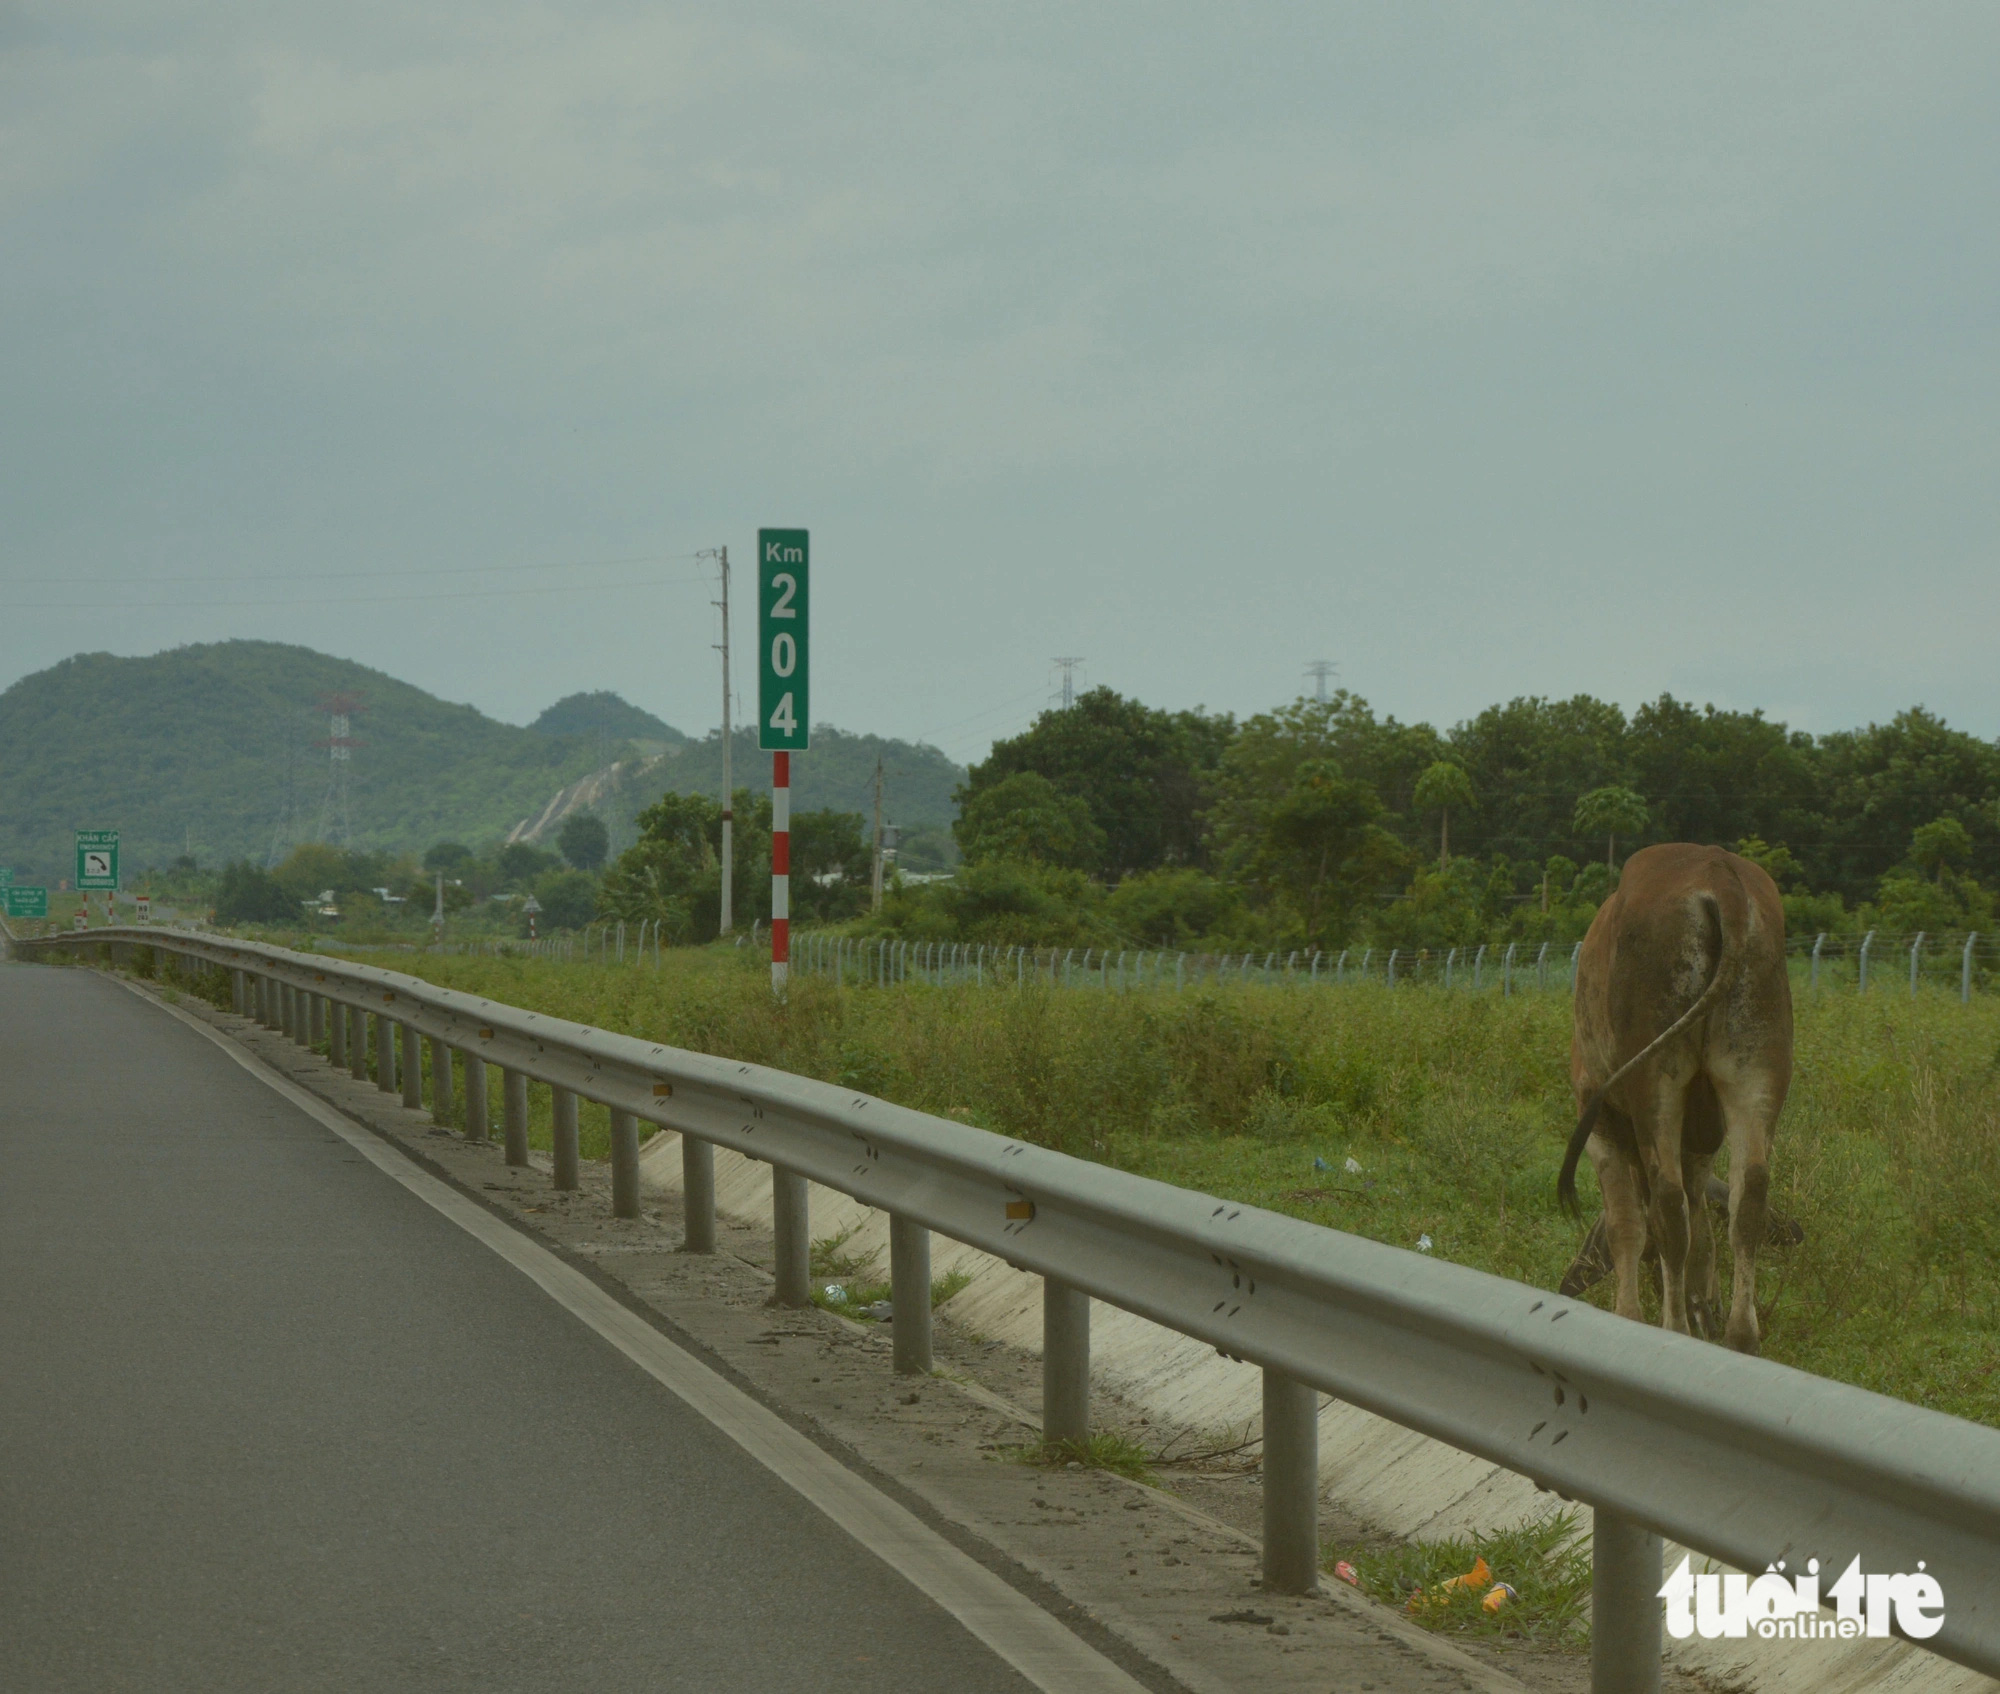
x=1916, y=957
x=1507, y=969
x=357, y=1043
x=1542, y=967
x=1819, y=941
x=1393, y=952
x=1340, y=968
x=514, y=1114
x=1575, y=953
x=441, y=1090
x=624, y=1163
x=1478, y=966
x=1624, y=1606
x=1180, y=969
x=1291, y=1485
x=697, y=1195
x=910, y=1295
x=1867, y=941
x=413, y=1068
x=385, y=1053
x=478, y=1120
x=562, y=1120
x=1965, y=968
x=336, y=1034
x=791, y=1238
x=1065, y=1362
x=1450, y=959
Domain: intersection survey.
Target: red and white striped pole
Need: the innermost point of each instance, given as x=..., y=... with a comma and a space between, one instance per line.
x=781, y=871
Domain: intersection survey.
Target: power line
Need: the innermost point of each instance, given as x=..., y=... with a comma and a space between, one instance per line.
x=322, y=604
x=408, y=570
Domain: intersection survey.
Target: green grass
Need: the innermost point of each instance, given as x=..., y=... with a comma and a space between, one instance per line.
x=857, y=1278
x=1545, y=1562
x=1101, y=1450
x=1455, y=1106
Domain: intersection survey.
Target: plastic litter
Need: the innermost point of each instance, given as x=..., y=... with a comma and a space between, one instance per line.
x=881, y=1311
x=1347, y=1573
x=835, y=1294
x=1353, y=1167
x=1423, y=1244
x=1498, y=1596
x=1480, y=1576
x=1320, y=1164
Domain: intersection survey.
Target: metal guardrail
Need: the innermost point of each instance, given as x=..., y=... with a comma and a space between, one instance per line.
x=1741, y=1459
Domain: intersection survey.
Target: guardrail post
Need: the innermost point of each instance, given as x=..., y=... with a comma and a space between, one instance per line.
x=514, y=1110
x=357, y=1043
x=316, y=1009
x=385, y=1053
x=562, y=1118
x=791, y=1238
x=910, y=1295
x=697, y=1195
x=440, y=1081
x=478, y=1117
x=336, y=1034
x=1065, y=1362
x=265, y=1015
x=1291, y=1485
x=624, y=1165
x=413, y=1068
x=239, y=994
x=1624, y=1606
x=286, y=1020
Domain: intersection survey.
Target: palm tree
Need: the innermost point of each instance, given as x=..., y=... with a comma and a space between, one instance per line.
x=1610, y=812
x=1440, y=788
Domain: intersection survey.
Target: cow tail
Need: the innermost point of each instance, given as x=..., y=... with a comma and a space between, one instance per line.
x=1566, y=1183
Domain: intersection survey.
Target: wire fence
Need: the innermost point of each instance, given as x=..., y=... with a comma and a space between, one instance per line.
x=1873, y=962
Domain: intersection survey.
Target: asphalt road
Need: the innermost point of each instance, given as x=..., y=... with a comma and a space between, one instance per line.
x=269, y=1422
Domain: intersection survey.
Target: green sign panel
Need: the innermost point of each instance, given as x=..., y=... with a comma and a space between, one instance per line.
x=783, y=724
x=96, y=858
x=6, y=876
x=25, y=902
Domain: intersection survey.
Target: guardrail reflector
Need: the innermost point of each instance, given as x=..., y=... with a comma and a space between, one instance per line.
x=662, y=1089
x=1022, y=1209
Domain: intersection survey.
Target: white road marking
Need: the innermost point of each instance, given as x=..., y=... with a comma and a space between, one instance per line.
x=1006, y=1620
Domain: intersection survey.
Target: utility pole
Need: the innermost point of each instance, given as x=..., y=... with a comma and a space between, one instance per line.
x=1320, y=670
x=437, y=912
x=876, y=899
x=721, y=556
x=1069, y=680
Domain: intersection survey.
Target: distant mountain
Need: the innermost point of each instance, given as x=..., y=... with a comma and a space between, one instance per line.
x=224, y=747
x=605, y=715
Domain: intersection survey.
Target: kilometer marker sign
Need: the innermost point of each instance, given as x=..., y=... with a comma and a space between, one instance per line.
x=783, y=716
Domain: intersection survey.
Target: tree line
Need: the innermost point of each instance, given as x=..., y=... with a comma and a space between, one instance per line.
x=1322, y=824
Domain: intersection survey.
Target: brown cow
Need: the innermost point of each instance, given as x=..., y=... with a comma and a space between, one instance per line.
x=1683, y=1040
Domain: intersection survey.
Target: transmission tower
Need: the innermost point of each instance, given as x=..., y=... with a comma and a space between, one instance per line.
x=1068, y=669
x=1322, y=671
x=335, y=823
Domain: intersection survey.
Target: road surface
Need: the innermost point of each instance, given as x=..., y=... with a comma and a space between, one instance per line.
x=268, y=1421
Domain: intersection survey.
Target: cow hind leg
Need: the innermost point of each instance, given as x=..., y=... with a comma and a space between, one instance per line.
x=1660, y=1146
x=1703, y=1287
x=1624, y=1219
x=1750, y=1117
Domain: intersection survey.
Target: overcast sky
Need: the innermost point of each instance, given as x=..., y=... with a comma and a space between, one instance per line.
x=1485, y=350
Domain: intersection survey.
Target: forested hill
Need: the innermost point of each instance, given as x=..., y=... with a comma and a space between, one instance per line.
x=222, y=746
